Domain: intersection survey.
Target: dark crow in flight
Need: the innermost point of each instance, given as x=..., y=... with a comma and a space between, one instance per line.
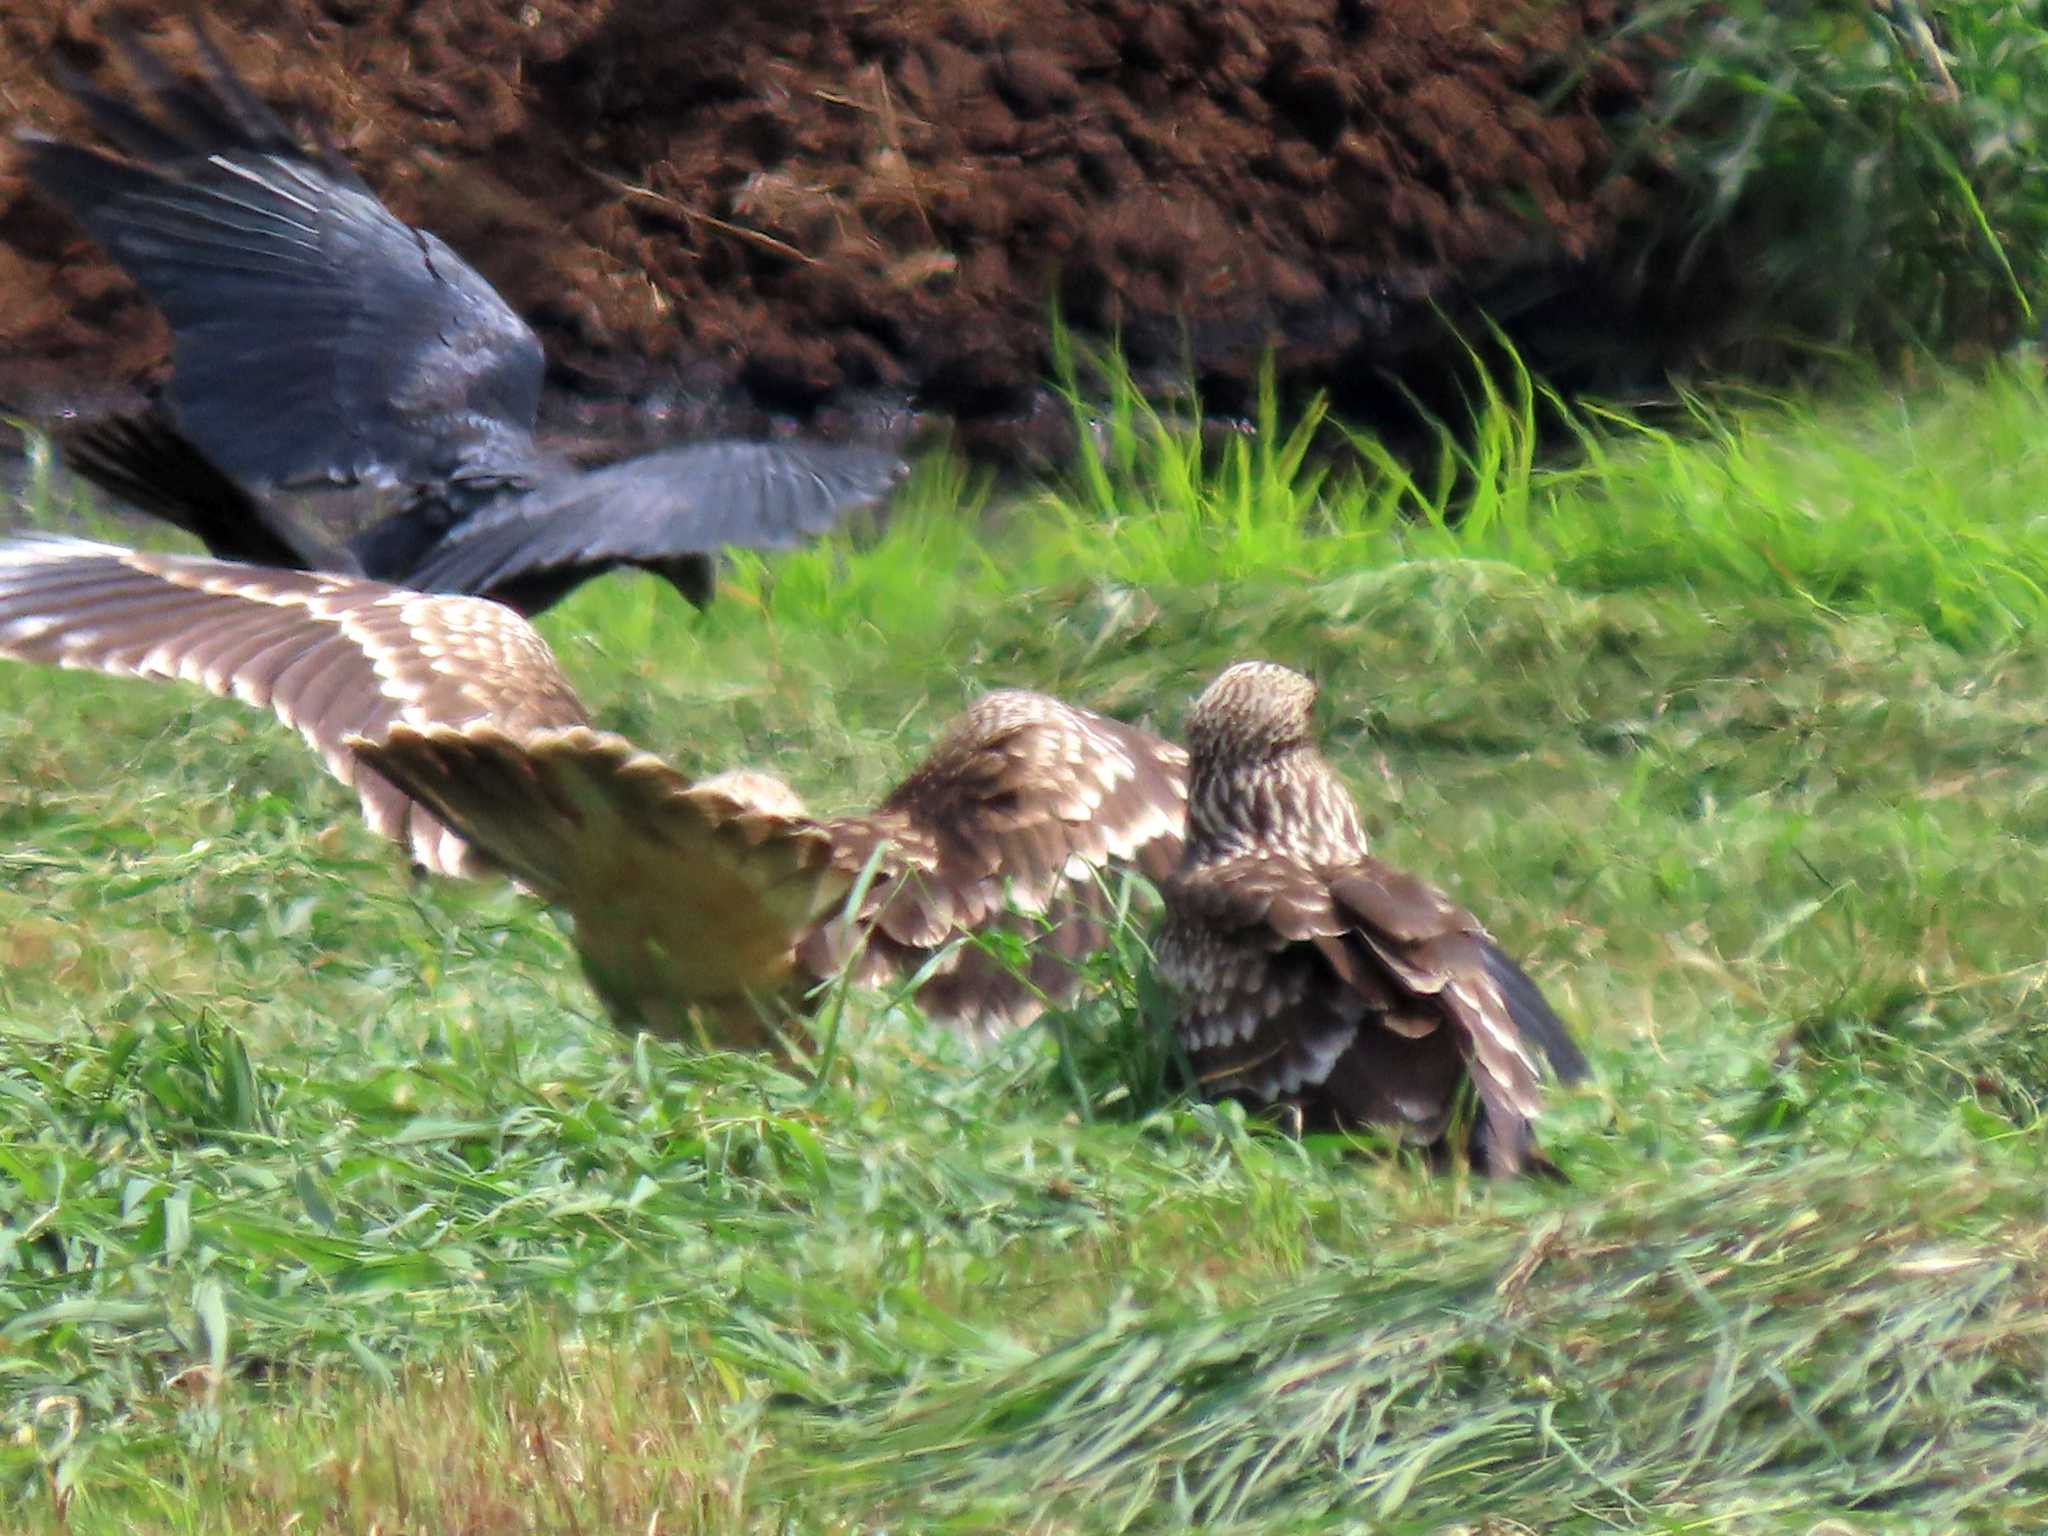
x=320, y=343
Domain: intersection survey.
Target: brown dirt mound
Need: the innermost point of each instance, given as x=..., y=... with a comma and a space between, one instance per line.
x=820, y=203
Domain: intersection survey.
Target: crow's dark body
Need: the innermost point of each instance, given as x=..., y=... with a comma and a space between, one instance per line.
x=318, y=342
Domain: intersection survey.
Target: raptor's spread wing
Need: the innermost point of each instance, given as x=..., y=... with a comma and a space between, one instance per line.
x=704, y=893
x=1434, y=951
x=1010, y=818
x=659, y=508
x=331, y=656
x=317, y=338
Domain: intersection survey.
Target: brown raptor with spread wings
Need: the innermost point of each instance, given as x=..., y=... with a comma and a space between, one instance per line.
x=690, y=902
x=1312, y=974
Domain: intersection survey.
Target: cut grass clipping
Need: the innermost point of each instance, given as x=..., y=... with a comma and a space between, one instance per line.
x=325, y=1197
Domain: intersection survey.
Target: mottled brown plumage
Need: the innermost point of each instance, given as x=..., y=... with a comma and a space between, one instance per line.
x=690, y=902
x=1311, y=974
x=712, y=894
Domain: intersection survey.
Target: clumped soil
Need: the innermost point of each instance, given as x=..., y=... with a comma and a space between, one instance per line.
x=816, y=208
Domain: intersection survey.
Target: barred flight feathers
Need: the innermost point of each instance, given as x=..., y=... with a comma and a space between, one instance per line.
x=328, y=655
x=1312, y=974
x=464, y=741
x=710, y=895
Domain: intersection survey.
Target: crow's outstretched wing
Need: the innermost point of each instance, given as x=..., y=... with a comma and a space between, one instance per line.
x=316, y=337
x=148, y=463
x=658, y=510
x=331, y=656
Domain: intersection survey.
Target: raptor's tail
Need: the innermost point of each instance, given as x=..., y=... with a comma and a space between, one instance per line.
x=682, y=894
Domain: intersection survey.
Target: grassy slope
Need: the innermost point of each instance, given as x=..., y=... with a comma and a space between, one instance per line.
x=1733, y=737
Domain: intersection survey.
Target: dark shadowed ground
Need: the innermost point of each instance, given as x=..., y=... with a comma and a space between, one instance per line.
x=828, y=211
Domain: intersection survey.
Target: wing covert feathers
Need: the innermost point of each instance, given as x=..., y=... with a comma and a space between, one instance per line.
x=1011, y=818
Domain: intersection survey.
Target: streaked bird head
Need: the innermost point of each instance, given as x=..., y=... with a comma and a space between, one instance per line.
x=1253, y=710
x=1256, y=782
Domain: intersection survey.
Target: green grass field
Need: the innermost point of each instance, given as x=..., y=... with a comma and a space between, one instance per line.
x=329, y=1202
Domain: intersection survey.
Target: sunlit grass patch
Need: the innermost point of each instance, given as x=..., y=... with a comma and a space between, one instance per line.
x=560, y=1433
x=311, y=1174
x=1924, y=506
